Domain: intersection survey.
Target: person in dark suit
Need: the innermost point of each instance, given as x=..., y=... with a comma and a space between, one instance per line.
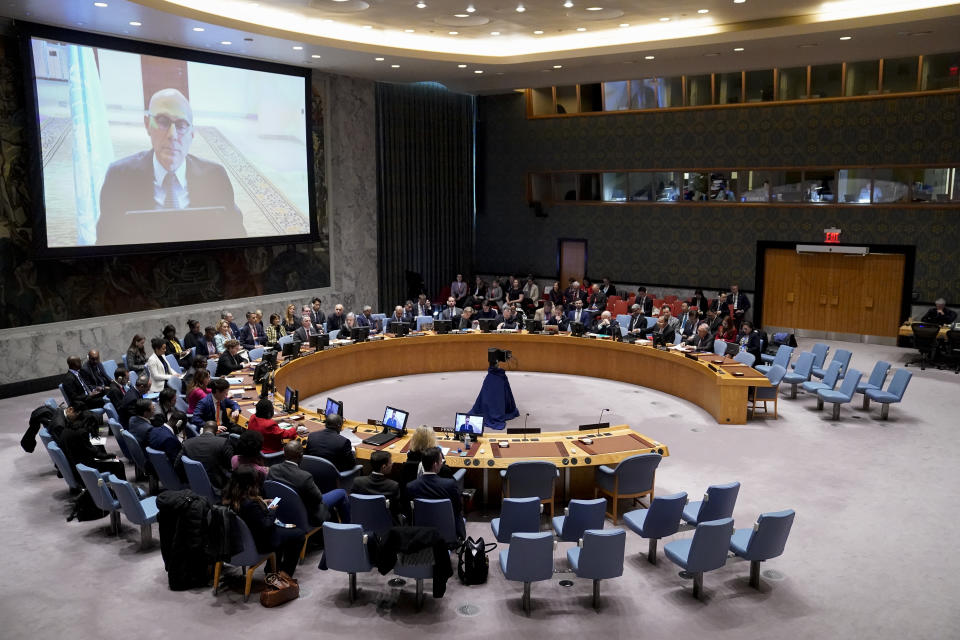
x=206, y=344
x=645, y=301
x=164, y=177
x=451, y=311
x=140, y=422
x=607, y=289
x=713, y=320
x=465, y=321
x=573, y=294
x=76, y=388
x=664, y=330
x=316, y=314
x=377, y=483
x=330, y=445
x=164, y=438
x=194, y=336
x=168, y=413
x=719, y=305
x=398, y=316
x=366, y=319
x=939, y=314
x=432, y=487
x=93, y=372
x=688, y=321
x=305, y=330
x=486, y=311
x=337, y=319
x=218, y=407
x=118, y=387
x=317, y=504
x=700, y=301
x=702, y=340
x=750, y=341
x=558, y=319
x=229, y=360
x=638, y=321
x=596, y=301
x=740, y=302
x=212, y=451
x=74, y=439
x=252, y=335
x=579, y=314
x=509, y=320
x=125, y=408
x=605, y=324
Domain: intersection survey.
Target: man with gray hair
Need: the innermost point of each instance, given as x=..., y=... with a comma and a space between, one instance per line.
x=939, y=314
x=702, y=340
x=366, y=319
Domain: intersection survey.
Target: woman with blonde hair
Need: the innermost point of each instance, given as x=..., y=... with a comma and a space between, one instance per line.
x=223, y=334
x=422, y=439
x=291, y=321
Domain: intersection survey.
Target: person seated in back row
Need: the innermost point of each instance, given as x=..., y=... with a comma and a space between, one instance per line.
x=702, y=340
x=558, y=320
x=378, y=483
x=330, y=445
x=431, y=486
x=317, y=504
x=509, y=320
x=939, y=314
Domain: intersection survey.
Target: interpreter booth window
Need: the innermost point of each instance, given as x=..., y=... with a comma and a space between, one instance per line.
x=640, y=187
x=723, y=186
x=940, y=71
x=615, y=187
x=934, y=186
x=540, y=187
x=591, y=97
x=665, y=185
x=760, y=85
x=891, y=185
x=542, y=101
x=645, y=94
x=793, y=83
x=589, y=186
x=819, y=185
x=729, y=88
x=696, y=186
x=616, y=96
x=567, y=100
x=669, y=91
x=698, y=91
x=826, y=80
x=564, y=187
x=863, y=78
x=900, y=74
x=853, y=186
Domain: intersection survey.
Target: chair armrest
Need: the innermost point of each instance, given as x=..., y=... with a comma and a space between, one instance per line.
x=458, y=474
x=580, y=542
x=566, y=510
x=605, y=469
x=388, y=502
x=351, y=472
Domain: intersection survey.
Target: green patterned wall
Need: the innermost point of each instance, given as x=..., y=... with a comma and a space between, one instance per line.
x=710, y=246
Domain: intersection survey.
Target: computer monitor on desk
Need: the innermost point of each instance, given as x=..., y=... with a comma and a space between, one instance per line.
x=291, y=349
x=291, y=400
x=320, y=341
x=359, y=334
x=395, y=420
x=488, y=324
x=464, y=423
x=399, y=328
x=533, y=326
x=333, y=406
x=442, y=326
x=577, y=329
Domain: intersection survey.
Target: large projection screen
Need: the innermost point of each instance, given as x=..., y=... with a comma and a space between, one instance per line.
x=143, y=152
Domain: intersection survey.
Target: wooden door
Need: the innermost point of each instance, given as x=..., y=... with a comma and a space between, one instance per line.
x=572, y=260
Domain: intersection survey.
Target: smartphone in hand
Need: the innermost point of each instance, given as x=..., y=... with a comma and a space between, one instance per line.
x=274, y=503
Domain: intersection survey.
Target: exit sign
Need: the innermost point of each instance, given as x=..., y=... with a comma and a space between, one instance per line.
x=831, y=236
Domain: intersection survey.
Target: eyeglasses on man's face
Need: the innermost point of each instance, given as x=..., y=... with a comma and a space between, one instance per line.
x=163, y=122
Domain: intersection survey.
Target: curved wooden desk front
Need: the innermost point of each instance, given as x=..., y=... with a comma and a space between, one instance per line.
x=720, y=393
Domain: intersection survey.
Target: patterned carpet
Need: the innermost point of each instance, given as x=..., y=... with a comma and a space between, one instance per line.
x=53, y=131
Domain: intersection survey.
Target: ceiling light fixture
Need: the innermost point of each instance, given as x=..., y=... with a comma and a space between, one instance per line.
x=368, y=26
x=846, y=37
x=395, y=66
x=297, y=47
x=581, y=28
x=738, y=48
x=703, y=10
x=378, y=59
x=664, y=19
x=316, y=56
x=478, y=70
x=624, y=25
x=594, y=8
x=461, y=15
x=102, y=5
x=558, y=66
x=408, y=30
x=136, y=24
x=461, y=66
x=421, y=5
x=649, y=57
x=494, y=33
x=538, y=32
x=454, y=33
x=739, y=1
x=198, y=29
x=521, y=8
x=568, y=4
x=226, y=43
x=471, y=8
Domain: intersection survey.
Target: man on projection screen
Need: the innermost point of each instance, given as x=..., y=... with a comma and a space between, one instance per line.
x=165, y=194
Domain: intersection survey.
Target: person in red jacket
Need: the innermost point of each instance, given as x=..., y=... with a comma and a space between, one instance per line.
x=273, y=434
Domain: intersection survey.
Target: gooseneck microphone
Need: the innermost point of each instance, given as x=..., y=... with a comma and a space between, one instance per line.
x=527, y=415
x=599, y=419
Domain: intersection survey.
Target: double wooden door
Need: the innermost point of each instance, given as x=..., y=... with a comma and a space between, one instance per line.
x=833, y=292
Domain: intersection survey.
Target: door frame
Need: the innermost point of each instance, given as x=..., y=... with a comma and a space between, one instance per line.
x=586, y=256
x=908, y=251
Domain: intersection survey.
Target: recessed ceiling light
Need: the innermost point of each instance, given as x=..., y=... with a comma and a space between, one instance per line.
x=581, y=28
x=461, y=66
x=408, y=30
x=297, y=47
x=538, y=32
x=421, y=5
x=624, y=25
x=454, y=33
x=739, y=1
x=378, y=59
x=135, y=24
x=198, y=29
x=558, y=66
x=226, y=43
x=395, y=66
x=461, y=15
x=738, y=48
x=664, y=19
x=703, y=10
x=649, y=57
x=594, y=8
x=334, y=1
x=494, y=33
x=471, y=8
x=478, y=70
x=316, y=56
x=846, y=37
x=521, y=8
x=100, y=4
x=568, y=4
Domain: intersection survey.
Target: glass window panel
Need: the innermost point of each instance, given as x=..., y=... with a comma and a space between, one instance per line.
x=670, y=92
x=941, y=71
x=722, y=186
x=899, y=74
x=540, y=189
x=643, y=93
x=564, y=186
x=775, y=186
x=793, y=83
x=542, y=101
x=819, y=185
x=891, y=185
x=591, y=97
x=589, y=186
x=698, y=90
x=567, y=100
x=853, y=185
x=642, y=187
x=696, y=186
x=615, y=96
x=729, y=88
x=760, y=85
x=862, y=78
x=615, y=187
x=826, y=80
x=937, y=185
x=665, y=185
x=789, y=188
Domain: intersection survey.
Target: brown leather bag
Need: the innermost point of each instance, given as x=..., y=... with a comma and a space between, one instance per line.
x=280, y=588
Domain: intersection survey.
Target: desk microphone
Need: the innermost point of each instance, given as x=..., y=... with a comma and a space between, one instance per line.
x=598, y=421
x=527, y=415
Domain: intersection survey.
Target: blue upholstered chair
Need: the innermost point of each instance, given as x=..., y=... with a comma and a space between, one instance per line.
x=517, y=515
x=380, y=319
x=255, y=354
x=528, y=559
x=894, y=392
x=291, y=510
x=212, y=367
x=110, y=367
x=117, y=430
x=706, y=551
x=717, y=503
x=63, y=466
x=284, y=340
x=164, y=470
x=45, y=437
x=578, y=516
x=436, y=513
x=177, y=385
x=132, y=377
x=720, y=347
x=111, y=412
x=775, y=375
x=633, y=478
x=800, y=373
x=651, y=322
x=877, y=377
x=624, y=321
x=529, y=479
x=136, y=454
x=829, y=379
x=662, y=519
x=842, y=395
x=248, y=558
x=63, y=393
x=371, y=512
x=598, y=556
x=197, y=479
x=174, y=365
x=96, y=484
x=745, y=357
x=139, y=512
x=345, y=550
x=424, y=320
x=842, y=356
x=270, y=459
x=52, y=403
x=784, y=353
x=819, y=352
x=765, y=540
x=326, y=474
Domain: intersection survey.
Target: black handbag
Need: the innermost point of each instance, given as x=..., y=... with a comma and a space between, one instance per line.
x=473, y=564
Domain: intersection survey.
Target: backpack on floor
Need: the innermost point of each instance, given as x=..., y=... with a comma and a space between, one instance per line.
x=473, y=564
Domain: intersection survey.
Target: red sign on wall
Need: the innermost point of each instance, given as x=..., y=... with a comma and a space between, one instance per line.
x=831, y=236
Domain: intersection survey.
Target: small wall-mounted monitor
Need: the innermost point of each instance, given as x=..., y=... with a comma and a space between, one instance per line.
x=395, y=419
x=333, y=406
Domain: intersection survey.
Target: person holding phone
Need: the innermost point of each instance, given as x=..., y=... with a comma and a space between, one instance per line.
x=242, y=495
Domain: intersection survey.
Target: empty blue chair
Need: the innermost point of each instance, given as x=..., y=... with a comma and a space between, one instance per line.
x=110, y=366
x=132, y=378
x=117, y=430
x=765, y=540
x=745, y=357
x=623, y=320
x=633, y=478
x=139, y=512
x=345, y=550
x=255, y=354
x=124, y=358
x=717, y=503
x=198, y=479
x=528, y=559
x=842, y=356
x=819, y=352
x=578, y=516
x=176, y=384
x=842, y=395
x=63, y=393
x=111, y=412
x=248, y=558
x=829, y=379
x=598, y=556
x=284, y=340
x=137, y=456
x=651, y=322
x=52, y=403
x=270, y=459
x=800, y=373
x=875, y=382
x=775, y=375
x=720, y=347
x=172, y=361
x=96, y=484
x=164, y=470
x=517, y=515
x=662, y=519
x=63, y=466
x=189, y=431
x=784, y=353
x=291, y=510
x=45, y=438
x=533, y=478
x=180, y=404
x=894, y=392
x=706, y=551
x=371, y=512
x=424, y=320
x=326, y=474
x=212, y=367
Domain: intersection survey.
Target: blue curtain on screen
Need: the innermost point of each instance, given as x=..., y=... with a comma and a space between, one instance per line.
x=92, y=150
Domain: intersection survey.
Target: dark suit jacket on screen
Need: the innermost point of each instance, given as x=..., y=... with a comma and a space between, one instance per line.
x=128, y=186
